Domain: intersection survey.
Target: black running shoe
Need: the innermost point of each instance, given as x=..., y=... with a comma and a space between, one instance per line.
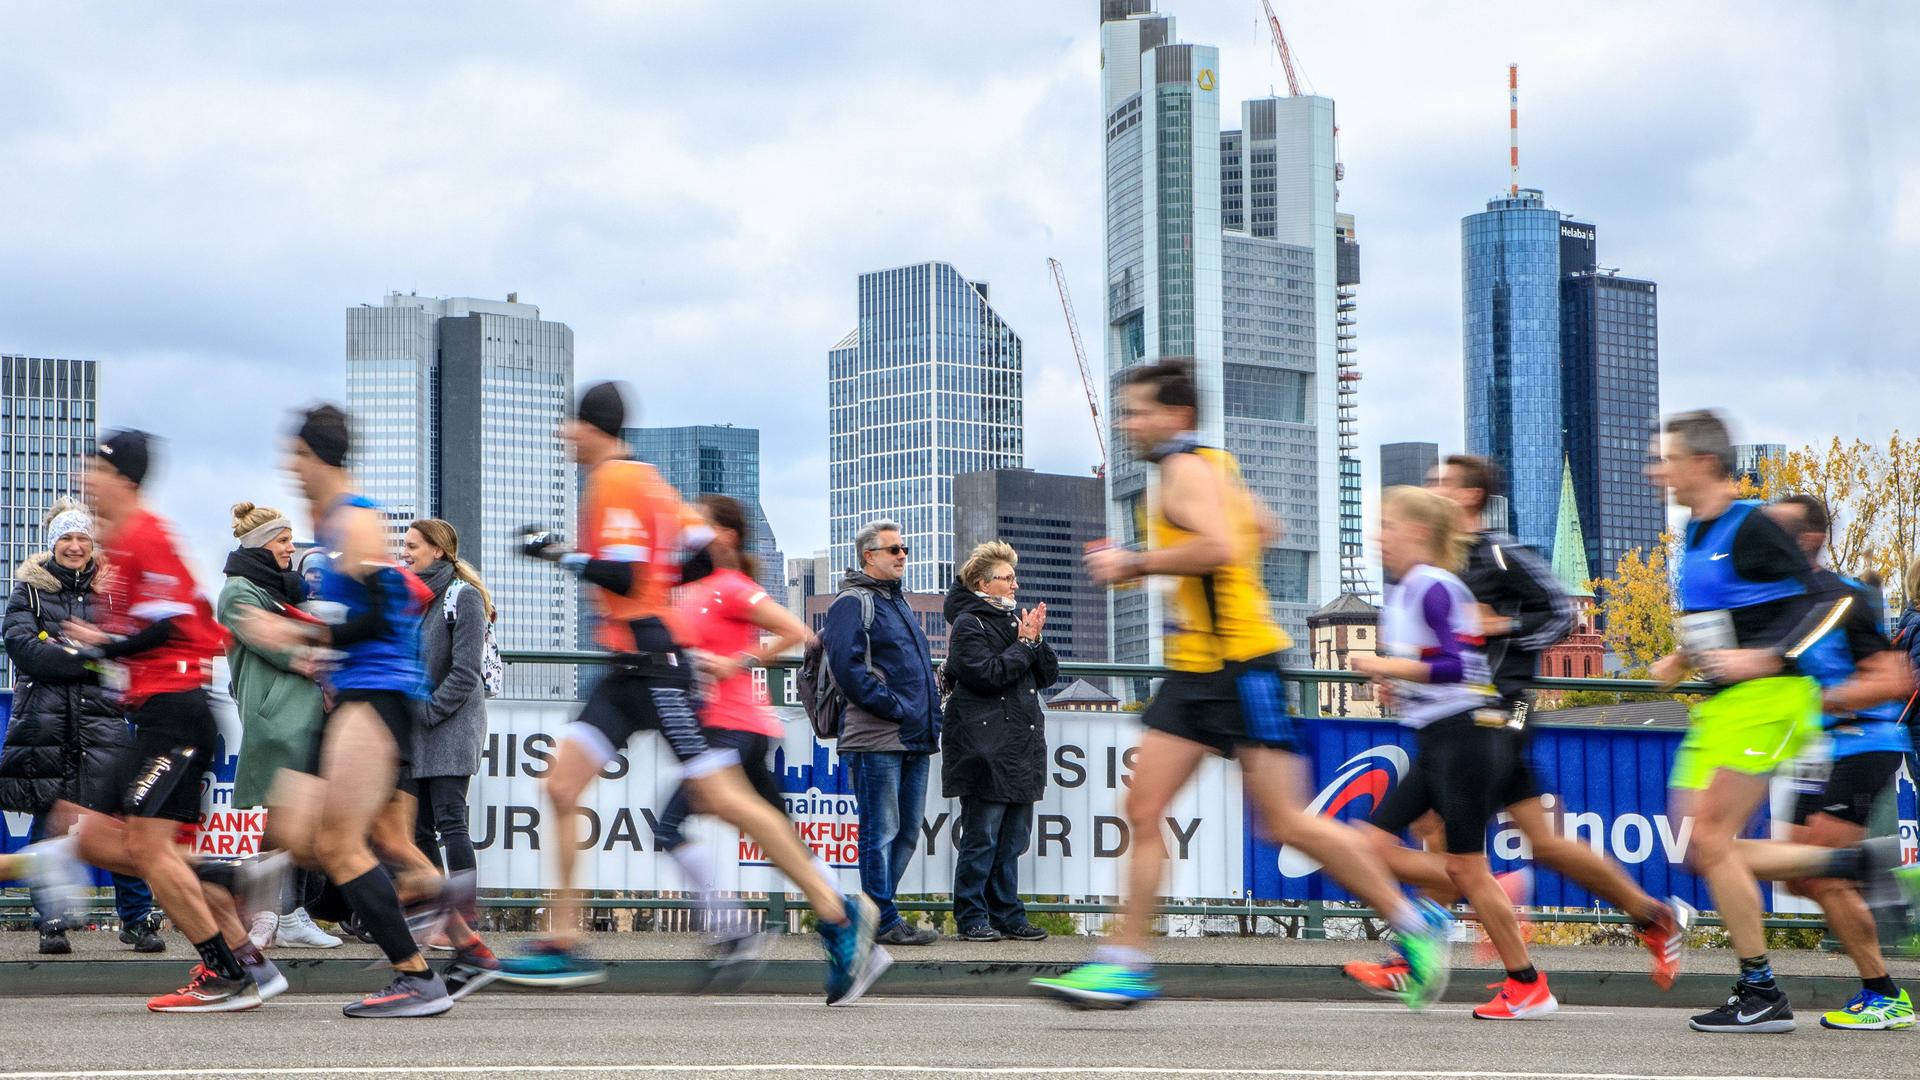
x=1025, y=931
x=53, y=939
x=472, y=967
x=983, y=932
x=1750, y=1010
x=144, y=935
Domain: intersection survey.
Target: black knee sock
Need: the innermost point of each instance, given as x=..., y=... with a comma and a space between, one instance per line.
x=219, y=959
x=1882, y=986
x=378, y=905
x=1526, y=974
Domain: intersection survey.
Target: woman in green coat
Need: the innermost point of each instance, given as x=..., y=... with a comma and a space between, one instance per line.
x=273, y=689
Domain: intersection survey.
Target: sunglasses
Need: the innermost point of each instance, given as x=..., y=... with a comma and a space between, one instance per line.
x=892, y=549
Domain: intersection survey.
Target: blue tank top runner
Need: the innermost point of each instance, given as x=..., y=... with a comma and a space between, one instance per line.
x=392, y=660
x=1830, y=662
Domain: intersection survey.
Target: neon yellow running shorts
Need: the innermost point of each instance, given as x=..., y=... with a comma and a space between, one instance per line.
x=1753, y=727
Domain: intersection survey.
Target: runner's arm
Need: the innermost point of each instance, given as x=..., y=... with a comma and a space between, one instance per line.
x=1545, y=614
x=1193, y=496
x=146, y=639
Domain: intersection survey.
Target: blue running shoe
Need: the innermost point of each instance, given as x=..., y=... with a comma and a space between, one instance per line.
x=854, y=962
x=1101, y=986
x=551, y=966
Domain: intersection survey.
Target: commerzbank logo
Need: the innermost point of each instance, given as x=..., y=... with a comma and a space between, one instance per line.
x=1206, y=79
x=1370, y=774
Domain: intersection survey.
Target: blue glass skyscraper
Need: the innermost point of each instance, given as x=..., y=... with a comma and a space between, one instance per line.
x=1510, y=284
x=716, y=459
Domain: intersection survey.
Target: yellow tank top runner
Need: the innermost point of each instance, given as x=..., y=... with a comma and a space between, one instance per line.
x=1224, y=616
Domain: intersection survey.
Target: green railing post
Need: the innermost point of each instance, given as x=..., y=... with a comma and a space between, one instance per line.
x=776, y=913
x=1316, y=928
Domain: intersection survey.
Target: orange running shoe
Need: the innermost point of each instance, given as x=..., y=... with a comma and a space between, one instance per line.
x=208, y=992
x=1666, y=939
x=1518, y=1001
x=1387, y=979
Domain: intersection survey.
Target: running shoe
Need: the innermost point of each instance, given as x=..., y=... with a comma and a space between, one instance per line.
x=1101, y=986
x=854, y=962
x=264, y=926
x=55, y=877
x=53, y=938
x=299, y=931
x=1025, y=931
x=1869, y=1011
x=1519, y=1001
x=1749, y=1010
x=473, y=966
x=1382, y=979
x=144, y=934
x=208, y=992
x=267, y=980
x=551, y=966
x=1666, y=939
x=734, y=958
x=406, y=995
x=1426, y=956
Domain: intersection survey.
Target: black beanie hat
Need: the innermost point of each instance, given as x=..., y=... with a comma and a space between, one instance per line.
x=324, y=429
x=128, y=452
x=604, y=406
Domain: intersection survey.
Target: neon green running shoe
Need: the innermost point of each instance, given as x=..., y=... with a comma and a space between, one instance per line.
x=1869, y=1011
x=1101, y=986
x=1427, y=957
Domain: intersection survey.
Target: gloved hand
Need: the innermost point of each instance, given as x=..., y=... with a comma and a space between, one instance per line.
x=539, y=542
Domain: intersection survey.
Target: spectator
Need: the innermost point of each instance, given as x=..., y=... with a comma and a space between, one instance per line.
x=274, y=692
x=446, y=742
x=994, y=744
x=892, y=722
x=1906, y=636
x=66, y=729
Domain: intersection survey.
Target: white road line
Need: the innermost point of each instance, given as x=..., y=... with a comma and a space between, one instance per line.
x=880, y=1069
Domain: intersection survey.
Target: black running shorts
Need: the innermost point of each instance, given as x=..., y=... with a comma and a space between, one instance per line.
x=654, y=694
x=1523, y=782
x=1460, y=769
x=174, y=743
x=1242, y=704
x=1852, y=788
x=400, y=713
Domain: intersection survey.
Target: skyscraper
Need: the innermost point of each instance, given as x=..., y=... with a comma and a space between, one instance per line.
x=47, y=414
x=1407, y=463
x=1049, y=519
x=927, y=386
x=455, y=402
x=716, y=459
x=1610, y=394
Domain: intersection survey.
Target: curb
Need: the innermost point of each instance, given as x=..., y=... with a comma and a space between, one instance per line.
x=1218, y=982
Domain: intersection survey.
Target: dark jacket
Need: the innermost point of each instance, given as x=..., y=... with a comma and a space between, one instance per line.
x=897, y=705
x=994, y=745
x=1906, y=637
x=1516, y=582
x=454, y=723
x=65, y=731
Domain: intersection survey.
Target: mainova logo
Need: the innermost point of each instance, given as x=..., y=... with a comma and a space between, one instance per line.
x=1369, y=774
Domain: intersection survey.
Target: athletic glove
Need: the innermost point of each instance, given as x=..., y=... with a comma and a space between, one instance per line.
x=539, y=542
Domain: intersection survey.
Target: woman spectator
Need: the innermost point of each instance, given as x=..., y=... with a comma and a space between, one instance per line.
x=1906, y=636
x=274, y=692
x=66, y=728
x=447, y=742
x=994, y=742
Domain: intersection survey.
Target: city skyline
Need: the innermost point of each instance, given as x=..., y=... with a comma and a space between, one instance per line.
x=1696, y=171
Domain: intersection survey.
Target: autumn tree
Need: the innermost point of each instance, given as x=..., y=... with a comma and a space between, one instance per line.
x=1636, y=607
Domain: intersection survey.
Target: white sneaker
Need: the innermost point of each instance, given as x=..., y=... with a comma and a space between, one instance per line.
x=262, y=931
x=297, y=931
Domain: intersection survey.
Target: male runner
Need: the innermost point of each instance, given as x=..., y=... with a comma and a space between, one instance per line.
x=634, y=529
x=1524, y=612
x=1204, y=535
x=157, y=652
x=1750, y=608
x=1864, y=686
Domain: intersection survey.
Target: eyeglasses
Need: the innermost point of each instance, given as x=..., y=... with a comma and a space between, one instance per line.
x=892, y=549
x=1008, y=578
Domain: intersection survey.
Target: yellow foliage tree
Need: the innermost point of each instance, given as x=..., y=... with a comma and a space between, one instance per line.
x=1636, y=607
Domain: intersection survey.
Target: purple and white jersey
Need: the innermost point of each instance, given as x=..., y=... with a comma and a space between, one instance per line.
x=1430, y=616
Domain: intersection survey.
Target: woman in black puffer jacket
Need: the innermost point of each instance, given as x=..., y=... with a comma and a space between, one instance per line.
x=66, y=729
x=993, y=744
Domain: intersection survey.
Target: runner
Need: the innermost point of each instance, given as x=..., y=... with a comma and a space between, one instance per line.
x=726, y=615
x=157, y=652
x=375, y=683
x=1204, y=534
x=1432, y=661
x=1865, y=683
x=1750, y=607
x=634, y=531
x=1523, y=612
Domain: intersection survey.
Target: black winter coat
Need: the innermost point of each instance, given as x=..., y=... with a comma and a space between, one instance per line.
x=65, y=731
x=994, y=742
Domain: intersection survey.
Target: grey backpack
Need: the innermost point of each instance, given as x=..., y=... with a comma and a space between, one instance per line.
x=824, y=701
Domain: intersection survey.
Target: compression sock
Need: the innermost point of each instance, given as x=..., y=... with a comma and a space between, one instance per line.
x=378, y=905
x=1755, y=971
x=219, y=959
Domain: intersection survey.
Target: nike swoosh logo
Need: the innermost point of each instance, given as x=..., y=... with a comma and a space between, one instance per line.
x=1756, y=753
x=1722, y=555
x=1747, y=1018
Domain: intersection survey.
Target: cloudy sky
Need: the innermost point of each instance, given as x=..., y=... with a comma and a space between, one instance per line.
x=194, y=193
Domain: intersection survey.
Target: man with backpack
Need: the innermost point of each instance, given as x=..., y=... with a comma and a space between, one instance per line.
x=889, y=726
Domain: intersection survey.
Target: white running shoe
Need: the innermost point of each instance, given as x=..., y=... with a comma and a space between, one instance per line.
x=262, y=931
x=298, y=931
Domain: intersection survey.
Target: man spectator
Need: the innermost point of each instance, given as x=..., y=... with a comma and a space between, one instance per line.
x=892, y=722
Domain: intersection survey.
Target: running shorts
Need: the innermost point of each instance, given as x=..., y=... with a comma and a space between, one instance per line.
x=1753, y=728
x=175, y=740
x=400, y=713
x=1852, y=787
x=1523, y=782
x=1461, y=770
x=1242, y=704
x=653, y=694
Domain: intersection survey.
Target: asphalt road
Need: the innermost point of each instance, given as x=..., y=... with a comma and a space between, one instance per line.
x=749, y=1038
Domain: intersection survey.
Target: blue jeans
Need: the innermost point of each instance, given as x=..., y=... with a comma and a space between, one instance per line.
x=892, y=788
x=132, y=900
x=986, y=867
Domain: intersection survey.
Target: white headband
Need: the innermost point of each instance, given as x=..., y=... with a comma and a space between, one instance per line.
x=254, y=538
x=68, y=521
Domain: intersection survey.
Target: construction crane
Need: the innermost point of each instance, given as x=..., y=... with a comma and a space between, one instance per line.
x=1080, y=355
x=1280, y=43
